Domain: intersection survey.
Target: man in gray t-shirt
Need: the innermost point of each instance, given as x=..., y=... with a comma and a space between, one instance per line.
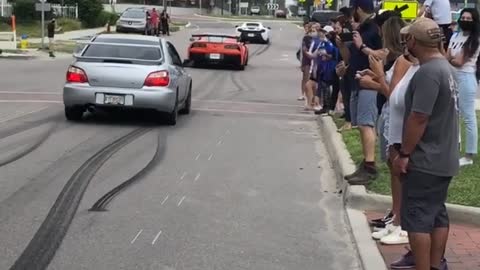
x=428, y=155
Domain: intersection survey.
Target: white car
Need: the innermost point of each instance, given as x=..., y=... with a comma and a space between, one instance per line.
x=254, y=32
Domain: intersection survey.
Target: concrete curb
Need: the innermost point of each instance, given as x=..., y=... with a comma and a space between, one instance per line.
x=357, y=199
x=370, y=256
x=17, y=56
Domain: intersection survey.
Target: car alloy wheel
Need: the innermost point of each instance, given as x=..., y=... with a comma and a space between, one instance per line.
x=173, y=116
x=188, y=103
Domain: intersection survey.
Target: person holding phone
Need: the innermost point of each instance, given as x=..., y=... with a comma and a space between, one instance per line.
x=366, y=41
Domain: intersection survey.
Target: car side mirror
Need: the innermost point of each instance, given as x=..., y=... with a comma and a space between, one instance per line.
x=236, y=26
x=269, y=28
x=192, y=39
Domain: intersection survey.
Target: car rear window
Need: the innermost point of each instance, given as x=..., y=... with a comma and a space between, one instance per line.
x=126, y=52
x=252, y=24
x=134, y=14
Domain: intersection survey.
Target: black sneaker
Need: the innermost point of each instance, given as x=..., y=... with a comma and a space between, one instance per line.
x=407, y=261
x=381, y=222
x=322, y=111
x=354, y=174
x=363, y=177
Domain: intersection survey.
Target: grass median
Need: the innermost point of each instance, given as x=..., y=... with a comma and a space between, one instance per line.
x=464, y=189
x=34, y=30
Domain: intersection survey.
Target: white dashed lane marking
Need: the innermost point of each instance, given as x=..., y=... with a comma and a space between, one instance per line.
x=136, y=237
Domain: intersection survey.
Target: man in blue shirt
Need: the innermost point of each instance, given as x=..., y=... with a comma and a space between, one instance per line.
x=366, y=39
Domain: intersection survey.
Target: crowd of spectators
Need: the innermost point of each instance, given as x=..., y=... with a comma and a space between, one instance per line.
x=405, y=86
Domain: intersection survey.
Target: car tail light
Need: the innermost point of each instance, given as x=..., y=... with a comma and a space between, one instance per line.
x=199, y=45
x=232, y=47
x=157, y=78
x=76, y=75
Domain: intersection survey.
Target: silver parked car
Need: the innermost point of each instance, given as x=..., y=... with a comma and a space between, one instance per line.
x=119, y=71
x=132, y=20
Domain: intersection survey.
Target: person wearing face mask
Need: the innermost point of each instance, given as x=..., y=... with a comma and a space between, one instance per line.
x=462, y=53
x=327, y=60
x=363, y=109
x=428, y=156
x=311, y=102
x=304, y=60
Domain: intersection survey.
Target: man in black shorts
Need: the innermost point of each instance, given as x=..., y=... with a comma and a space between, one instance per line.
x=428, y=155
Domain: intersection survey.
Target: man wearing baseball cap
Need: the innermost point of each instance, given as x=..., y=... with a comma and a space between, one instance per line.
x=363, y=102
x=428, y=156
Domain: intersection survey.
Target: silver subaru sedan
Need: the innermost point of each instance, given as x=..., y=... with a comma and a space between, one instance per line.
x=118, y=71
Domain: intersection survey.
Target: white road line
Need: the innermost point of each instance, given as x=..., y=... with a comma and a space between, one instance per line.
x=21, y=114
x=198, y=156
x=284, y=55
x=181, y=201
x=156, y=237
x=30, y=93
x=183, y=176
x=310, y=116
x=164, y=200
x=136, y=236
x=247, y=103
x=29, y=101
x=210, y=157
x=196, y=177
x=219, y=143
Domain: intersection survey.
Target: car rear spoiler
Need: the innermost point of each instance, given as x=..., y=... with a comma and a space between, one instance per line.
x=215, y=35
x=79, y=53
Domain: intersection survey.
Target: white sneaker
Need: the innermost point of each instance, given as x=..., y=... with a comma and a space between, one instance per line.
x=300, y=98
x=389, y=228
x=396, y=237
x=464, y=161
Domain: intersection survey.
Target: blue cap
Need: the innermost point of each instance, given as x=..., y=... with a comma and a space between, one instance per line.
x=363, y=4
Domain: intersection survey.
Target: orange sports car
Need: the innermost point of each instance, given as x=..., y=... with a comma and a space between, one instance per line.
x=217, y=49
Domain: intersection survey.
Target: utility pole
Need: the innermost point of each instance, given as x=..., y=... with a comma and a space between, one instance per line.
x=200, y=6
x=43, y=23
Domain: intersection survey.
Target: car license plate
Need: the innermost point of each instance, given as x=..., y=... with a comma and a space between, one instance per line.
x=215, y=56
x=114, y=100
x=251, y=35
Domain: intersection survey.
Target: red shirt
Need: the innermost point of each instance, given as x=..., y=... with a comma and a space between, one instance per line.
x=154, y=17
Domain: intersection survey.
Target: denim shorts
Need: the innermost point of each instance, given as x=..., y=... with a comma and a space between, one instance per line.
x=363, y=108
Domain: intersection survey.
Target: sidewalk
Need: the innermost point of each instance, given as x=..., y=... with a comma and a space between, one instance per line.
x=74, y=35
x=463, y=248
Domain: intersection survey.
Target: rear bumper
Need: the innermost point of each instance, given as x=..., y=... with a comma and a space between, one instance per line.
x=225, y=59
x=252, y=37
x=160, y=99
x=130, y=29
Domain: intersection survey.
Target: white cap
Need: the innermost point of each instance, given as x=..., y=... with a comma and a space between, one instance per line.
x=328, y=28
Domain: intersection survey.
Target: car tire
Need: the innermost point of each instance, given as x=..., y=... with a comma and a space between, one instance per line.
x=172, y=117
x=74, y=113
x=188, y=103
x=267, y=41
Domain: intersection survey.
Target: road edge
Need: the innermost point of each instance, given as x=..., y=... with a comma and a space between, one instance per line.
x=342, y=164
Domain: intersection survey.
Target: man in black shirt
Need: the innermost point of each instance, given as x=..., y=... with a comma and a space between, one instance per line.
x=51, y=36
x=366, y=40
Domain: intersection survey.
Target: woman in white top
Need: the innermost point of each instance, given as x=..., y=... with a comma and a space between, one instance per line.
x=462, y=53
x=393, y=85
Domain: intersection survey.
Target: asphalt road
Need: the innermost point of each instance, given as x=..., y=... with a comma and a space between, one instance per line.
x=242, y=183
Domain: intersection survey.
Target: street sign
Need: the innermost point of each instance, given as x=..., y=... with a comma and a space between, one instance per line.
x=409, y=13
x=271, y=6
x=46, y=7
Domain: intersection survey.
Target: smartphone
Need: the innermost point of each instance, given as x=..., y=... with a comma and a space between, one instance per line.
x=346, y=37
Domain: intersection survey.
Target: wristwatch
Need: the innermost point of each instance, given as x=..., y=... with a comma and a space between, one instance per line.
x=363, y=46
